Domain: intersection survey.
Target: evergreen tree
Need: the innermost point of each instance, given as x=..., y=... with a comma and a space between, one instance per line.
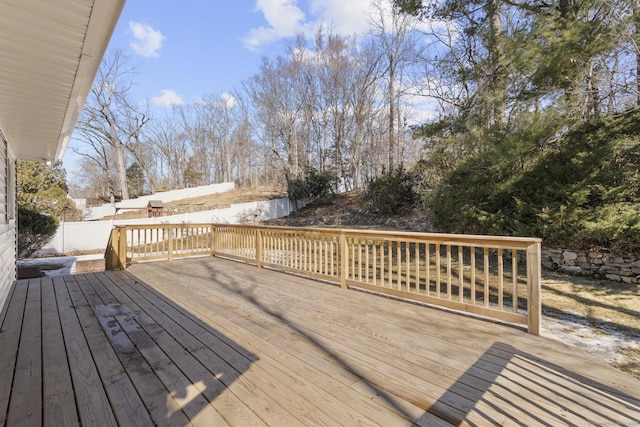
x=43, y=188
x=135, y=180
x=41, y=200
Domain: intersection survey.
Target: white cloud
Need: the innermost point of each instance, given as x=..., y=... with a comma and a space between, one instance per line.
x=344, y=16
x=146, y=41
x=228, y=100
x=285, y=19
x=168, y=98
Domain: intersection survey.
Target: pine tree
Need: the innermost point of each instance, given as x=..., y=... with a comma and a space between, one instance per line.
x=42, y=200
x=43, y=188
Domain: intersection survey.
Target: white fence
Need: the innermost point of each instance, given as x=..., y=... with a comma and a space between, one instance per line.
x=92, y=235
x=97, y=212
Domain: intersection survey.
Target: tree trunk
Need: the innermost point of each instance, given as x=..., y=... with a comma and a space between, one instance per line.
x=122, y=172
x=392, y=110
x=636, y=31
x=497, y=85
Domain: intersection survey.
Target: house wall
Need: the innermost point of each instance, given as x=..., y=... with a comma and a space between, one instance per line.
x=7, y=220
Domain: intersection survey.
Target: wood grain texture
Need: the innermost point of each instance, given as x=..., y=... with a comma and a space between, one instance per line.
x=11, y=329
x=209, y=341
x=92, y=402
x=25, y=406
x=436, y=361
x=59, y=408
x=118, y=386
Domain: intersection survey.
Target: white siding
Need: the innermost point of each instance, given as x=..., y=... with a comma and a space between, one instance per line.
x=7, y=221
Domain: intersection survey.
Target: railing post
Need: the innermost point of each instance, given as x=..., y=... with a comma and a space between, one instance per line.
x=122, y=249
x=344, y=262
x=534, y=285
x=259, y=250
x=212, y=240
x=111, y=255
x=170, y=232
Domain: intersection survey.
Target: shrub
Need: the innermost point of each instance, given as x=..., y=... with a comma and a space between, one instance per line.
x=582, y=192
x=34, y=231
x=313, y=186
x=391, y=193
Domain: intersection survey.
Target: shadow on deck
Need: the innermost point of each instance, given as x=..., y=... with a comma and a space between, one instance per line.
x=216, y=342
x=106, y=350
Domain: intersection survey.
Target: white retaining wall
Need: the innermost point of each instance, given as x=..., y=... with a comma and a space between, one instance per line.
x=91, y=235
x=97, y=212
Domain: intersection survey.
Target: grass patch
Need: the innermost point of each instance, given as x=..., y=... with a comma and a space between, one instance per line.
x=631, y=363
x=607, y=306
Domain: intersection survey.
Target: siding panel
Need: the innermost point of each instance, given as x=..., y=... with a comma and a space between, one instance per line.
x=7, y=221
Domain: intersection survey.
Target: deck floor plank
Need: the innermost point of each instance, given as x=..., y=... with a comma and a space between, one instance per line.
x=493, y=352
x=356, y=352
x=92, y=402
x=128, y=367
x=25, y=407
x=122, y=393
x=219, y=356
x=468, y=390
x=210, y=341
x=10, y=331
x=253, y=334
x=278, y=385
x=59, y=407
x=205, y=382
x=225, y=362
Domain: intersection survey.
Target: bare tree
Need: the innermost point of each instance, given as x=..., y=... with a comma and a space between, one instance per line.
x=171, y=147
x=277, y=112
x=194, y=122
x=111, y=119
x=394, y=33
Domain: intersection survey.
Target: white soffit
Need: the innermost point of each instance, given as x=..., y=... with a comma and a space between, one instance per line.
x=50, y=51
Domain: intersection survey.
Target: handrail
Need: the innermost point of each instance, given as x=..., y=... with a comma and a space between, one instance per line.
x=491, y=276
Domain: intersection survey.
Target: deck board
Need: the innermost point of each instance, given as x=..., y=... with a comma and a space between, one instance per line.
x=11, y=329
x=26, y=397
x=91, y=399
x=59, y=406
x=118, y=386
x=209, y=341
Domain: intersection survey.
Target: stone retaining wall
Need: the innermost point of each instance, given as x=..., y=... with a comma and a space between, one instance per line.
x=600, y=264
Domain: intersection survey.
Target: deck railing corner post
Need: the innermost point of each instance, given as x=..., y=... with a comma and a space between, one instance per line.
x=111, y=254
x=534, y=287
x=122, y=251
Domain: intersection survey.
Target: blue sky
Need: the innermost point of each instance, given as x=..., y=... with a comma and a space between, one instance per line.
x=186, y=49
x=192, y=48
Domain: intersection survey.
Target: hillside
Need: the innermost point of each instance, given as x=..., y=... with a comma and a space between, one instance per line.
x=346, y=211
x=212, y=201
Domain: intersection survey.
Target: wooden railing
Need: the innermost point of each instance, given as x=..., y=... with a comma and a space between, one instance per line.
x=133, y=243
x=495, y=277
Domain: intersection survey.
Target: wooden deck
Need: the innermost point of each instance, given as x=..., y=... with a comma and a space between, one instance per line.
x=214, y=342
